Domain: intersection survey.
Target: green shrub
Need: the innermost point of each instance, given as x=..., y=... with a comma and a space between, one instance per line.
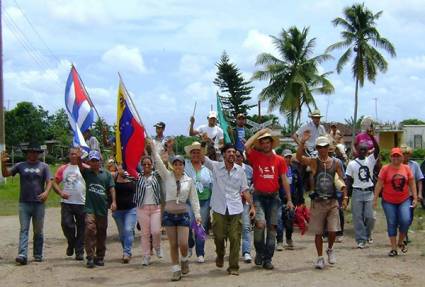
x=418, y=153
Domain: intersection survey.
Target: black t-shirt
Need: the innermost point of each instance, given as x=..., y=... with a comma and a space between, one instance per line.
x=124, y=192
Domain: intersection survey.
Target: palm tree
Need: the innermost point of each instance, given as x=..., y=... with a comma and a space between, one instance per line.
x=294, y=78
x=361, y=38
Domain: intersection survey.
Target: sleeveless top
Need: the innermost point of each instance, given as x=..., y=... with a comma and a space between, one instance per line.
x=324, y=180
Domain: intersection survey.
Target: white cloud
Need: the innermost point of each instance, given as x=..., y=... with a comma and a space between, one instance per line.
x=258, y=42
x=79, y=12
x=123, y=58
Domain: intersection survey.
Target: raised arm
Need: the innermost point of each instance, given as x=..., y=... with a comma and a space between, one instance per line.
x=376, y=150
x=304, y=160
x=192, y=131
x=159, y=165
x=4, y=159
x=250, y=142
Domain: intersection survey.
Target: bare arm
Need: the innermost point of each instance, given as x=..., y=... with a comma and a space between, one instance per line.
x=295, y=138
x=250, y=142
x=420, y=186
x=376, y=150
x=378, y=189
x=113, y=197
x=192, y=131
x=304, y=160
x=4, y=159
x=412, y=185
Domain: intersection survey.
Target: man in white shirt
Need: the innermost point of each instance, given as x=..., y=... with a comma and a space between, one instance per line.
x=229, y=185
x=315, y=128
x=209, y=132
x=73, y=196
x=359, y=179
x=91, y=141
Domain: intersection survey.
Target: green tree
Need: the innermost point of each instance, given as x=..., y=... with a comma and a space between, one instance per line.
x=361, y=38
x=357, y=125
x=26, y=123
x=235, y=90
x=412, y=122
x=59, y=128
x=294, y=78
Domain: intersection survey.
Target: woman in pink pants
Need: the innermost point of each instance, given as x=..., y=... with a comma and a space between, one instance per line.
x=148, y=200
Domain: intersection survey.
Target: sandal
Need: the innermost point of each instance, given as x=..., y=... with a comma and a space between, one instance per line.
x=403, y=247
x=393, y=253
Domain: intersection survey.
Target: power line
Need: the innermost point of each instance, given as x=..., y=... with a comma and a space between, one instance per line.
x=24, y=45
x=36, y=32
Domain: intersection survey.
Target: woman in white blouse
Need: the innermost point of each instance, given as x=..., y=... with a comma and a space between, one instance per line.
x=179, y=188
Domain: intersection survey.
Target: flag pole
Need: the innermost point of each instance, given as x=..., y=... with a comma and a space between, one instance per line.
x=132, y=103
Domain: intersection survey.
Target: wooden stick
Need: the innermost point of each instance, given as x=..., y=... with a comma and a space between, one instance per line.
x=194, y=110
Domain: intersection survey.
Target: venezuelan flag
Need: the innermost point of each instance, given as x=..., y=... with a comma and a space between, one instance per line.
x=130, y=133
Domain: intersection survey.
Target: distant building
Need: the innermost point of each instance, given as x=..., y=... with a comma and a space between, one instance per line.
x=414, y=135
x=389, y=135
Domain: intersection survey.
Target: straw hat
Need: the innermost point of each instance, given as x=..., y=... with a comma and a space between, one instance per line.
x=275, y=140
x=193, y=146
x=315, y=114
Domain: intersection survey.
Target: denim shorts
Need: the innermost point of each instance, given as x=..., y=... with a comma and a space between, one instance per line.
x=171, y=219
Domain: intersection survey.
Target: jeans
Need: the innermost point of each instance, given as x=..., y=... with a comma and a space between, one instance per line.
x=126, y=221
x=205, y=215
x=228, y=227
x=246, y=230
x=28, y=211
x=149, y=217
x=72, y=222
x=363, y=217
x=398, y=216
x=266, y=216
x=285, y=222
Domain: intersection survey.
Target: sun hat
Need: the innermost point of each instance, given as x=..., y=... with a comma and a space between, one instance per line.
x=193, y=146
x=315, y=114
x=396, y=151
x=275, y=140
x=366, y=123
x=322, y=141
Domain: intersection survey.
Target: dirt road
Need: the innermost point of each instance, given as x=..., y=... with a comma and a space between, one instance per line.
x=368, y=267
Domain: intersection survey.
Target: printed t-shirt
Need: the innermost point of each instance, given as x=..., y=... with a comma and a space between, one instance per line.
x=97, y=188
x=361, y=170
x=396, y=183
x=73, y=183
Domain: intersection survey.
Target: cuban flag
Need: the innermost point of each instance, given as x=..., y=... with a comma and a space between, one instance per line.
x=130, y=133
x=79, y=106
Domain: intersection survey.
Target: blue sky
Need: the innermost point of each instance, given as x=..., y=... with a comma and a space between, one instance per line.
x=166, y=52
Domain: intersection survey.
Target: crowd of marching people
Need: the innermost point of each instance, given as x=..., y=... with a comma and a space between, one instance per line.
x=243, y=193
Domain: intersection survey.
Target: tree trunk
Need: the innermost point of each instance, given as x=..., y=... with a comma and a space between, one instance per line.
x=356, y=102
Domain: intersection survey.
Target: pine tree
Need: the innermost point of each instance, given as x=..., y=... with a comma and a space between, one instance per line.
x=233, y=88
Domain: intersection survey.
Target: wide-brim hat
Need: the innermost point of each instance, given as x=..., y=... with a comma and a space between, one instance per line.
x=33, y=147
x=315, y=114
x=275, y=140
x=193, y=146
x=323, y=141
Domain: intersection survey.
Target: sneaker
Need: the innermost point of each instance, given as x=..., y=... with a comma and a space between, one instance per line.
x=258, y=260
x=90, y=262
x=370, y=240
x=320, y=263
x=189, y=253
x=219, y=262
x=176, y=276
x=159, y=253
x=99, y=262
x=185, y=267
x=146, y=260
x=38, y=259
x=232, y=272
x=279, y=246
x=79, y=257
x=340, y=239
x=69, y=251
x=201, y=259
x=289, y=244
x=361, y=245
x=21, y=260
x=247, y=258
x=331, y=256
x=268, y=265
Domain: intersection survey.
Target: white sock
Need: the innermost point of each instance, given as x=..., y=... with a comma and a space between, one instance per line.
x=175, y=268
x=184, y=258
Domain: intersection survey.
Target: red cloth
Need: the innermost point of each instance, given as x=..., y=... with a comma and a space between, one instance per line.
x=266, y=170
x=302, y=218
x=396, y=183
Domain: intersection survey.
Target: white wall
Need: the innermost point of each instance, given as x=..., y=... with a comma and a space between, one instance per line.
x=410, y=131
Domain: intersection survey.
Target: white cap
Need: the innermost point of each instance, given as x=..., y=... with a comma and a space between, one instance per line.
x=212, y=114
x=322, y=141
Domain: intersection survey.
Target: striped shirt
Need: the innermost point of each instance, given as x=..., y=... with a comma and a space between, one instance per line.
x=141, y=186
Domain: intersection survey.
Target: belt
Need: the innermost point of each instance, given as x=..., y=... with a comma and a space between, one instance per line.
x=267, y=194
x=364, y=189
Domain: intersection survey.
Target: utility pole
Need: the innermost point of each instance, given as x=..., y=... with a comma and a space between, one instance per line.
x=2, y=136
x=259, y=111
x=376, y=108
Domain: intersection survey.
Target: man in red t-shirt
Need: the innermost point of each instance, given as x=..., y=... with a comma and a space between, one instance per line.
x=268, y=168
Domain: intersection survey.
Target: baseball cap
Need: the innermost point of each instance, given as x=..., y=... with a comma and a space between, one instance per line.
x=286, y=152
x=322, y=141
x=212, y=114
x=94, y=154
x=159, y=125
x=178, y=158
x=396, y=151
